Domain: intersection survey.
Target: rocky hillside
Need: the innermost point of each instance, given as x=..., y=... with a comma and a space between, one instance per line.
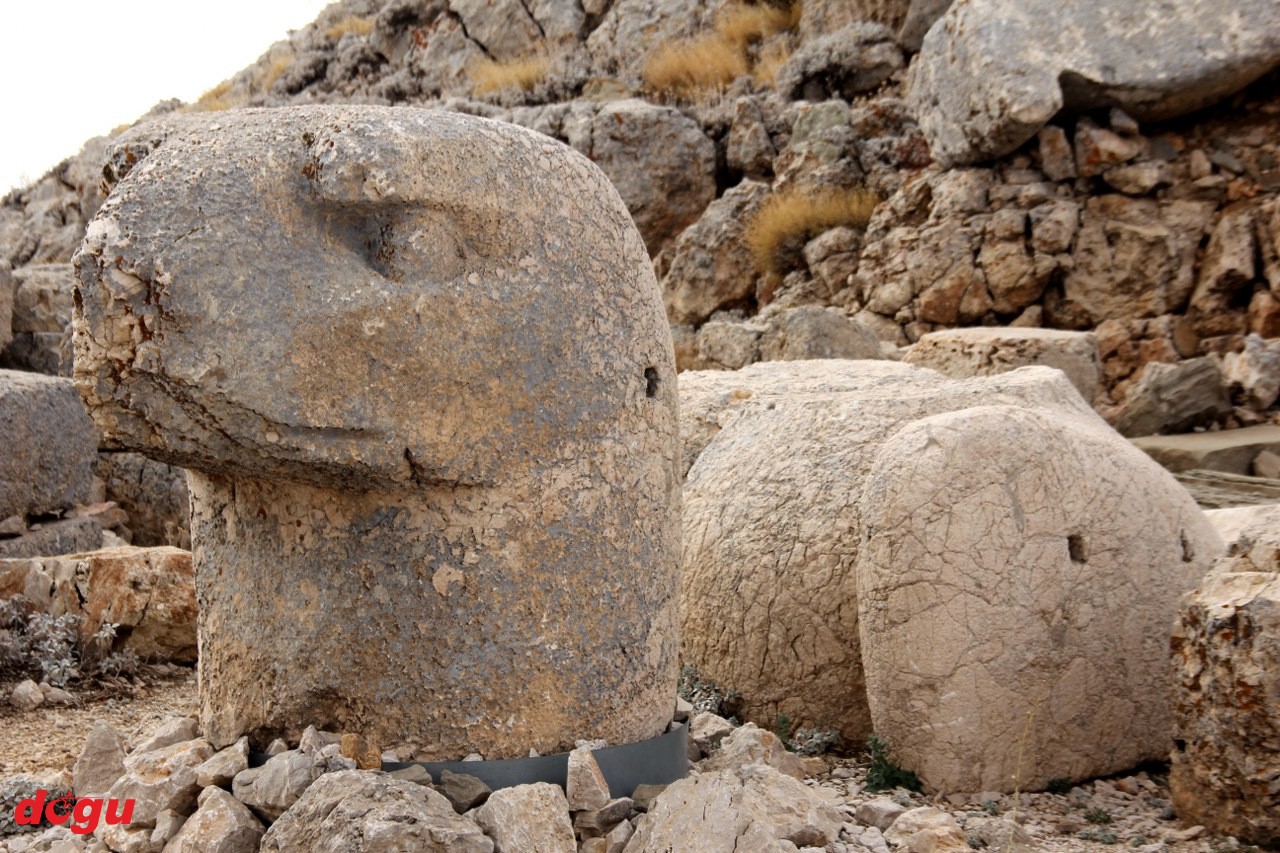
x=777, y=156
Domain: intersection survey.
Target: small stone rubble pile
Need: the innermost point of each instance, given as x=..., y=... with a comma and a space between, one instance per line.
x=745, y=791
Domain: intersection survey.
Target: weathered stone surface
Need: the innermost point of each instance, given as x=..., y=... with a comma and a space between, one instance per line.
x=990, y=75
x=725, y=345
x=7, y=286
x=1173, y=398
x=26, y=696
x=360, y=811
x=161, y=779
x=840, y=64
x=223, y=767
x=1229, y=450
x=750, y=744
x=50, y=445
x=463, y=791
x=1216, y=490
x=1226, y=652
x=51, y=538
x=1134, y=257
x=172, y=730
x=710, y=265
x=709, y=400
x=1254, y=373
x=659, y=160
x=813, y=331
x=153, y=494
x=1026, y=562
x=926, y=830
x=479, y=526
x=749, y=148
x=880, y=813
x=148, y=592
x=42, y=299
x=775, y=519
x=586, y=788
x=275, y=786
x=1237, y=523
x=631, y=29
x=756, y=808
x=221, y=824
x=101, y=761
x=528, y=817
x=962, y=353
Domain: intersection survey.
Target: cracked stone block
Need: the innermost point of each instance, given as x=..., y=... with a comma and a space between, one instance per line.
x=1028, y=563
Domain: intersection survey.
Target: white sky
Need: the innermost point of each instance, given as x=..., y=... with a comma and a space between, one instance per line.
x=71, y=69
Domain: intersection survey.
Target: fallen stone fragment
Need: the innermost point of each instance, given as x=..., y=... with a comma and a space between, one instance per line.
x=528, y=817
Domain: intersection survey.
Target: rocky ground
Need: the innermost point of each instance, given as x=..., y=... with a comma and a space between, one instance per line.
x=1130, y=809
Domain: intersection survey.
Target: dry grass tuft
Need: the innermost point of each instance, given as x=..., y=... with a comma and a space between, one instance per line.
x=274, y=72
x=768, y=62
x=488, y=76
x=742, y=25
x=351, y=25
x=216, y=99
x=687, y=69
x=778, y=232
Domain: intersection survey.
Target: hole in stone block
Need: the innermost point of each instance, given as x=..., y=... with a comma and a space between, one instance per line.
x=1077, y=548
x=651, y=382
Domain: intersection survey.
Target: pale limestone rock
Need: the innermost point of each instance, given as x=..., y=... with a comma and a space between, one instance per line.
x=26, y=696
x=586, y=788
x=1238, y=524
x=661, y=163
x=528, y=817
x=50, y=445
x=1229, y=450
x=42, y=300
x=1173, y=398
x=275, y=786
x=926, y=830
x=363, y=812
x=814, y=331
x=707, y=730
x=755, y=808
x=1226, y=653
x=1027, y=563
x=962, y=353
x=159, y=780
x=101, y=761
x=223, y=767
x=1255, y=370
x=442, y=509
x=711, y=267
x=6, y=303
x=221, y=824
x=990, y=75
x=750, y=744
x=880, y=812
x=149, y=593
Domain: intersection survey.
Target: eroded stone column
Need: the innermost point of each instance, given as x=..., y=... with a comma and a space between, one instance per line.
x=418, y=366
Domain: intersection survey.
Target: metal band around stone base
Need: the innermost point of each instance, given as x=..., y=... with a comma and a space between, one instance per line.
x=657, y=761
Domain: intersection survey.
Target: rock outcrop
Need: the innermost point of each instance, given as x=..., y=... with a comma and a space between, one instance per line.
x=990, y=75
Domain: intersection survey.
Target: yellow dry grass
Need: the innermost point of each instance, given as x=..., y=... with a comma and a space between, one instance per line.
x=694, y=67
x=742, y=25
x=768, y=62
x=216, y=99
x=353, y=24
x=488, y=76
x=274, y=71
x=777, y=233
